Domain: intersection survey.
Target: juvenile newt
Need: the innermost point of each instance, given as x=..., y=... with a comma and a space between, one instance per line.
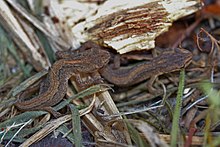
x=88, y=61
x=168, y=61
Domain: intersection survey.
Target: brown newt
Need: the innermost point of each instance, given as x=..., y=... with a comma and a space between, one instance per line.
x=168, y=61
x=88, y=61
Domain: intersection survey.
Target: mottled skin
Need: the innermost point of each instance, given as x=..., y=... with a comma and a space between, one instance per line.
x=88, y=61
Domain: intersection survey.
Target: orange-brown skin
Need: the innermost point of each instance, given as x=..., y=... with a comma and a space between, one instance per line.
x=88, y=61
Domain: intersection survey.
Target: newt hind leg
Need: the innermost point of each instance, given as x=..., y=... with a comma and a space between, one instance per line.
x=51, y=111
x=150, y=83
x=151, y=88
x=95, y=79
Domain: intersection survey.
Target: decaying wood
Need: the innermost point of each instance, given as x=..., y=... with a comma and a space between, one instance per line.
x=135, y=26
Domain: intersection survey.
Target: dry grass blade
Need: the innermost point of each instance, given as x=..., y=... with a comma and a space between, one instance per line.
x=28, y=82
x=40, y=28
x=148, y=133
x=8, y=46
x=19, y=36
x=97, y=125
x=196, y=140
x=51, y=126
x=38, y=24
x=34, y=114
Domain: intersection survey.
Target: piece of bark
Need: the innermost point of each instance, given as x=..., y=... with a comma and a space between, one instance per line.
x=133, y=25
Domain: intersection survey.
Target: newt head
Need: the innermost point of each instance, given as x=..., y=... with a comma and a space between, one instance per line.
x=91, y=60
x=185, y=56
x=172, y=60
x=99, y=58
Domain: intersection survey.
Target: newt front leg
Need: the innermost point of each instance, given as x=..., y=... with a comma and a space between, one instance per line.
x=88, y=61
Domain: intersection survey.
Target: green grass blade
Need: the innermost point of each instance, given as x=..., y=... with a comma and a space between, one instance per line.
x=176, y=115
x=76, y=125
x=135, y=136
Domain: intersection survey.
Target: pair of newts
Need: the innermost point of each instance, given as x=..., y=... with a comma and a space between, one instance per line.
x=90, y=58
